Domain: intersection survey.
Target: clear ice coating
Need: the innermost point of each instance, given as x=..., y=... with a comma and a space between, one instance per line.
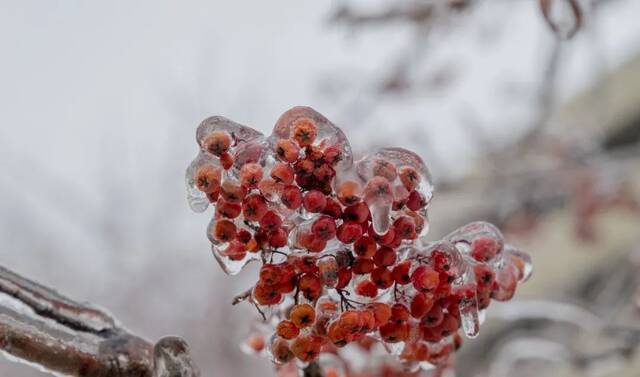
x=344, y=237
x=172, y=358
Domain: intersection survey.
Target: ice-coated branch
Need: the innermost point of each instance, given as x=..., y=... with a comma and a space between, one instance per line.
x=40, y=327
x=49, y=304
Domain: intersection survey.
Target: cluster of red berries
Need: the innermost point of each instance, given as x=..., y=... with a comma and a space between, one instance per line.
x=344, y=259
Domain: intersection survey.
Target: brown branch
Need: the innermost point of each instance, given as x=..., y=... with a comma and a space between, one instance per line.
x=41, y=327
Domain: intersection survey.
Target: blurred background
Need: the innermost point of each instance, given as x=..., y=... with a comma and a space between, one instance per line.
x=520, y=125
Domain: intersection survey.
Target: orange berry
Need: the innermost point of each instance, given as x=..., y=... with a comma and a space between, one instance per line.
x=304, y=131
x=409, y=177
x=254, y=207
x=303, y=315
x=338, y=334
x=350, y=320
x=250, y=175
x=306, y=348
x=381, y=313
x=384, y=168
x=287, y=150
x=217, y=142
x=282, y=173
x=228, y=210
x=224, y=231
x=281, y=351
x=255, y=342
x=232, y=192
x=287, y=329
x=311, y=286
x=207, y=178
x=266, y=295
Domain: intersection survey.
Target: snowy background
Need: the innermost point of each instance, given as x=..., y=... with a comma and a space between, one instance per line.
x=99, y=103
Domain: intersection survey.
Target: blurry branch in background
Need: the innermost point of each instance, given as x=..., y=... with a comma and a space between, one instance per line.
x=592, y=337
x=53, y=333
x=540, y=170
x=566, y=31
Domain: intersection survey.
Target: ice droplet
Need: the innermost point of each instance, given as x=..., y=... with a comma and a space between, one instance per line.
x=197, y=199
x=239, y=133
x=328, y=134
x=232, y=261
x=172, y=358
x=521, y=260
x=469, y=315
x=379, y=198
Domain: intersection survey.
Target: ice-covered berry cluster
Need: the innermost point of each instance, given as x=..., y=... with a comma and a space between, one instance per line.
x=342, y=246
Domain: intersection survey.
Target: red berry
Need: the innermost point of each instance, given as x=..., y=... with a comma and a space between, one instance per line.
x=266, y=295
x=270, y=274
x=324, y=228
x=415, y=201
x=484, y=275
x=224, y=231
x=421, y=304
x=409, y=177
x=333, y=155
x=254, y=207
x=314, y=201
x=282, y=173
x=349, y=232
x=394, y=332
x=270, y=221
x=434, y=317
x=362, y=266
x=399, y=313
x=304, y=131
x=401, y=273
x=291, y=197
x=365, y=246
x=333, y=208
x=385, y=256
x=484, y=249
x=232, y=192
x=207, y=179
x=228, y=210
x=382, y=277
x=287, y=150
x=250, y=175
x=405, y=228
x=366, y=288
x=310, y=286
x=425, y=279
x=344, y=277
x=226, y=160
x=358, y=212
x=217, y=142
x=278, y=238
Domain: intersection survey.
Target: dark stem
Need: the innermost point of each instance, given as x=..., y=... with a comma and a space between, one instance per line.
x=313, y=370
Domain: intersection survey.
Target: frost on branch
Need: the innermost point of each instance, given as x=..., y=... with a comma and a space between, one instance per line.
x=345, y=263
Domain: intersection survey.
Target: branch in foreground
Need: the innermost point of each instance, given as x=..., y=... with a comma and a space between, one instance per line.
x=43, y=328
